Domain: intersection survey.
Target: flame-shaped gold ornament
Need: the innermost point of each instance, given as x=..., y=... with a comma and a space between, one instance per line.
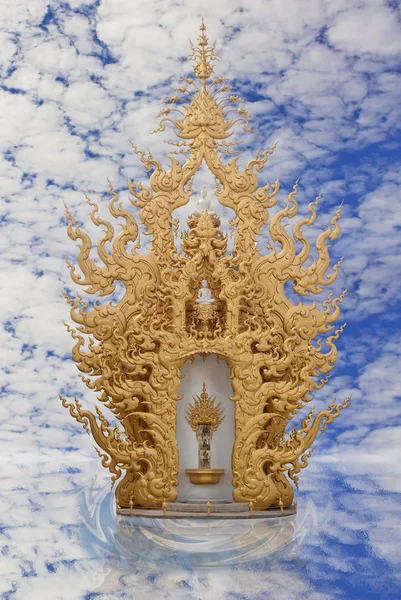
x=136, y=347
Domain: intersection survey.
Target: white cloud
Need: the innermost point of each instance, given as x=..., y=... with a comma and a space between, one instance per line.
x=325, y=80
x=372, y=28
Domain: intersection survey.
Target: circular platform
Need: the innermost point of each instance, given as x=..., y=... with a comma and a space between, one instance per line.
x=198, y=510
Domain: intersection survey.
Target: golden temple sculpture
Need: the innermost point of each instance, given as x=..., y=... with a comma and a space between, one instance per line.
x=131, y=351
x=204, y=411
x=204, y=417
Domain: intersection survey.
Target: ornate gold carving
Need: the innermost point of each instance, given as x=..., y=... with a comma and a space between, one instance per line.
x=204, y=412
x=279, y=352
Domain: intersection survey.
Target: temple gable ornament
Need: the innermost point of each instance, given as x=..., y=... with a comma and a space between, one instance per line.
x=204, y=299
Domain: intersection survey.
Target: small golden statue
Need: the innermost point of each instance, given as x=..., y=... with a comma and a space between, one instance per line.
x=204, y=412
x=204, y=417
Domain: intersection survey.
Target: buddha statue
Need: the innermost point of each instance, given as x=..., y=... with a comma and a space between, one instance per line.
x=204, y=294
x=203, y=202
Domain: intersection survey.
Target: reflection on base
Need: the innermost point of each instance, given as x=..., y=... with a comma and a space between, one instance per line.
x=191, y=542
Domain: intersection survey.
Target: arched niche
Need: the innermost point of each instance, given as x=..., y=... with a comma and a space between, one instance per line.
x=215, y=374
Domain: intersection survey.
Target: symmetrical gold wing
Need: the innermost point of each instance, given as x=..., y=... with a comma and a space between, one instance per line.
x=279, y=352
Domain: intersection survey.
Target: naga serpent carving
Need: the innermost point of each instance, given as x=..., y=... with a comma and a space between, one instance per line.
x=130, y=352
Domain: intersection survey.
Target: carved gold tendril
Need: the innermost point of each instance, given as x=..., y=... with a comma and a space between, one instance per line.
x=130, y=350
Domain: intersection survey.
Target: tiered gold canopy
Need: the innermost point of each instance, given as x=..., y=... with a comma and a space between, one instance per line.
x=134, y=349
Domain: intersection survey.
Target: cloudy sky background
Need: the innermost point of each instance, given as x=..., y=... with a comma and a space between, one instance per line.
x=80, y=80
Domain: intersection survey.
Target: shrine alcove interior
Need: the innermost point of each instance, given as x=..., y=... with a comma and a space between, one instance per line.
x=215, y=374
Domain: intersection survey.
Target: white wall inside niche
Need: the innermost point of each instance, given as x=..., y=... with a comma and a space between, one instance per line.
x=216, y=376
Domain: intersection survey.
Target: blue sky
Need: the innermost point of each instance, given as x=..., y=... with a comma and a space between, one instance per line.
x=80, y=80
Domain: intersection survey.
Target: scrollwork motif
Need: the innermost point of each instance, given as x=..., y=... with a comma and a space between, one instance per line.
x=130, y=352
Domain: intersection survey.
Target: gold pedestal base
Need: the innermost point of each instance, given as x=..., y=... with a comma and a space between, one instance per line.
x=204, y=476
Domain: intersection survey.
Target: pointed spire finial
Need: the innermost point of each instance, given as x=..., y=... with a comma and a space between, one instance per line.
x=204, y=55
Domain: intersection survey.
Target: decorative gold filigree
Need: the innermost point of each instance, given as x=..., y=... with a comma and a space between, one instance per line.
x=130, y=351
x=204, y=412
